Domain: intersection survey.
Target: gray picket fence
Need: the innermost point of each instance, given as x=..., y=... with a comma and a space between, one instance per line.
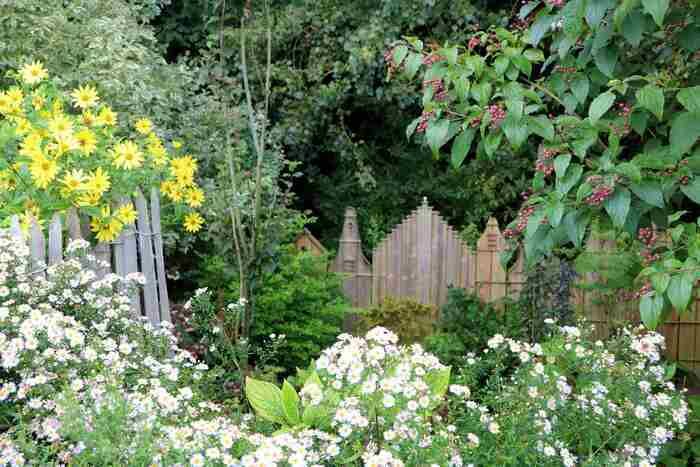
x=139, y=248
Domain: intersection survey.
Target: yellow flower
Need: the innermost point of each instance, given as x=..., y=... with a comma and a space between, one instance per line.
x=126, y=213
x=31, y=145
x=60, y=126
x=171, y=190
x=73, y=181
x=107, y=117
x=194, y=197
x=85, y=97
x=63, y=145
x=89, y=199
x=38, y=100
x=7, y=180
x=23, y=127
x=31, y=214
x=106, y=228
x=127, y=155
x=86, y=141
x=177, y=144
x=57, y=106
x=33, y=73
x=183, y=169
x=43, y=170
x=193, y=222
x=143, y=126
x=158, y=153
x=98, y=182
x=88, y=118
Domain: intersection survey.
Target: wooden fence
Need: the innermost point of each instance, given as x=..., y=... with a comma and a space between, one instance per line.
x=423, y=255
x=139, y=248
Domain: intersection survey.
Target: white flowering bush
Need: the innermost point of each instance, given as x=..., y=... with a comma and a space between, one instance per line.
x=83, y=383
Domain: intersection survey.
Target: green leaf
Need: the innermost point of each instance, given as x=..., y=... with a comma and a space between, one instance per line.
x=290, y=404
x=566, y=183
x=651, y=97
x=606, y=59
x=621, y=12
x=555, y=212
x=639, y=120
x=541, y=126
x=692, y=189
x=660, y=281
x=650, y=308
x=690, y=98
x=482, y=92
x=438, y=381
x=685, y=130
x=462, y=86
x=633, y=27
x=580, y=87
x=413, y=64
x=595, y=11
x=527, y=9
x=561, y=163
x=523, y=64
x=539, y=28
x=584, y=190
x=266, y=400
x=600, y=105
x=411, y=128
x=461, y=146
x=492, y=142
x=436, y=135
x=501, y=65
x=534, y=55
x=451, y=55
x=400, y=53
x=657, y=9
x=680, y=289
x=515, y=130
x=618, y=206
x=649, y=192
x=631, y=171
x=575, y=223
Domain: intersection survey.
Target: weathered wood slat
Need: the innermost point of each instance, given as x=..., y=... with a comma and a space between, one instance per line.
x=37, y=246
x=163, y=298
x=150, y=292
x=73, y=224
x=55, y=240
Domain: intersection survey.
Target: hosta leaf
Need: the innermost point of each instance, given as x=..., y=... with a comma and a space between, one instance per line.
x=290, y=404
x=657, y=9
x=266, y=400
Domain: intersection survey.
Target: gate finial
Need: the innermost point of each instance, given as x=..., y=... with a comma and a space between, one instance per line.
x=425, y=201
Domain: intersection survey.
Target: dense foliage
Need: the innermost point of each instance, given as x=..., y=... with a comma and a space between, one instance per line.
x=412, y=321
x=605, y=94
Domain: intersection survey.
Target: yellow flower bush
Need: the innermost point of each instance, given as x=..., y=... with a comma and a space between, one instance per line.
x=61, y=150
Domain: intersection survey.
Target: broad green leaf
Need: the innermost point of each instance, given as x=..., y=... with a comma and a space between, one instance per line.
x=651, y=97
x=657, y=9
x=584, y=190
x=685, y=130
x=523, y=64
x=492, y=142
x=266, y=400
x=451, y=55
x=413, y=64
x=660, y=281
x=534, y=55
x=689, y=37
x=575, y=223
x=411, y=128
x=290, y=404
x=462, y=86
x=618, y=206
x=580, y=87
x=527, y=9
x=595, y=11
x=690, y=98
x=436, y=135
x=501, y=65
x=650, y=308
x=680, y=289
x=624, y=9
x=515, y=130
x=566, y=183
x=400, y=53
x=555, y=212
x=650, y=192
x=461, y=146
x=539, y=28
x=482, y=92
x=692, y=189
x=541, y=126
x=639, y=120
x=631, y=171
x=438, y=381
x=561, y=163
x=633, y=27
x=600, y=105
x=606, y=59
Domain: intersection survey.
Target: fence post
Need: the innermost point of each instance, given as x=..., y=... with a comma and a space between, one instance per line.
x=349, y=255
x=150, y=293
x=160, y=261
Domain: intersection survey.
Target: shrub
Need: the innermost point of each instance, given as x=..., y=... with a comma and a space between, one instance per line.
x=410, y=320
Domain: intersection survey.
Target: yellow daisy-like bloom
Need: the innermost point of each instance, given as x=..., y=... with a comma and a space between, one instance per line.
x=88, y=199
x=43, y=170
x=57, y=106
x=98, y=182
x=38, y=100
x=33, y=73
x=127, y=155
x=85, y=97
x=30, y=215
x=193, y=222
x=194, y=197
x=86, y=141
x=88, y=118
x=23, y=127
x=106, y=228
x=5, y=104
x=7, y=181
x=183, y=169
x=63, y=145
x=177, y=144
x=106, y=117
x=73, y=181
x=60, y=126
x=31, y=145
x=126, y=213
x=143, y=126
x=171, y=191
x=158, y=153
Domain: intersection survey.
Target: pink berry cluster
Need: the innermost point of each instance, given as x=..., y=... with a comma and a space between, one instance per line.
x=648, y=256
x=423, y=122
x=601, y=191
x=474, y=42
x=431, y=59
x=523, y=217
x=439, y=91
x=390, y=62
x=623, y=110
x=544, y=162
x=556, y=3
x=565, y=69
x=644, y=290
x=497, y=113
x=647, y=236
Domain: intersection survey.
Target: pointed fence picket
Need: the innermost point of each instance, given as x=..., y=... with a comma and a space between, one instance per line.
x=139, y=248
